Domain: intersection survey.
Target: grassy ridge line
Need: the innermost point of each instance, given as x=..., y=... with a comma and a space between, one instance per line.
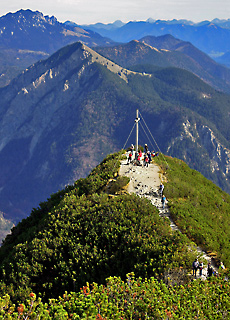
x=200, y=208
x=83, y=234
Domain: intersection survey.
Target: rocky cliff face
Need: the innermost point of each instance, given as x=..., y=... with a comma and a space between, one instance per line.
x=212, y=151
x=219, y=154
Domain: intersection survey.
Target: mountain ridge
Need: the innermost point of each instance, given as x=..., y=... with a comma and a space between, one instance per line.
x=167, y=51
x=28, y=36
x=31, y=30
x=62, y=115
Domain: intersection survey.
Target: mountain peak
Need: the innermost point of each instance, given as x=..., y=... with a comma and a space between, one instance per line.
x=31, y=30
x=24, y=15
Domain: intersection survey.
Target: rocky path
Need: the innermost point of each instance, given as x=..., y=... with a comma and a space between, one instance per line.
x=144, y=182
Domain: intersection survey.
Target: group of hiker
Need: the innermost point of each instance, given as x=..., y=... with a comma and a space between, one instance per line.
x=196, y=265
x=146, y=158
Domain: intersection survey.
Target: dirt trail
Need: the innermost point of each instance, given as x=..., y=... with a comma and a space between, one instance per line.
x=145, y=182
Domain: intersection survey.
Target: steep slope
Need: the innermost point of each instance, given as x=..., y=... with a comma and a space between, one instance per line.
x=14, y=61
x=168, y=51
x=224, y=59
x=52, y=129
x=61, y=116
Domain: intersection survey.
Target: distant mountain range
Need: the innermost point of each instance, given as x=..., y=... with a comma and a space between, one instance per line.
x=224, y=23
x=210, y=37
x=27, y=36
x=61, y=116
x=29, y=30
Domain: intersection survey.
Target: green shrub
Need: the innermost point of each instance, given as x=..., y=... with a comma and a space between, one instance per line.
x=198, y=206
x=134, y=298
x=118, y=184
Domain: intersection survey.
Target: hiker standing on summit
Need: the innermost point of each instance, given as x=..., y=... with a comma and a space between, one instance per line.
x=146, y=161
x=129, y=157
x=149, y=156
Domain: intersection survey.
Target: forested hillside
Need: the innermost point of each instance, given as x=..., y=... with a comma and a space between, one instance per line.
x=82, y=235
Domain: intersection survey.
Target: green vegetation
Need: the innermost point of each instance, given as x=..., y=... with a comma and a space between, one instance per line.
x=118, y=184
x=134, y=298
x=87, y=254
x=200, y=208
x=83, y=234
x=93, y=121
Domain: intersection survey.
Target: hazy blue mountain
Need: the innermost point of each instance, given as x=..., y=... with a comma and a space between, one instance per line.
x=206, y=36
x=224, y=59
x=224, y=23
x=109, y=26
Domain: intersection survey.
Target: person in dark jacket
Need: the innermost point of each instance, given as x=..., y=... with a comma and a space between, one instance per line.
x=209, y=270
x=195, y=266
x=161, y=189
x=149, y=156
x=201, y=266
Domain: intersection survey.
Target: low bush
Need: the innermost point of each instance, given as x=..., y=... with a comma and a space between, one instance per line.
x=118, y=184
x=135, y=298
x=198, y=206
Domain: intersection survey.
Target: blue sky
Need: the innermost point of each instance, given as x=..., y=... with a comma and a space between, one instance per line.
x=92, y=11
